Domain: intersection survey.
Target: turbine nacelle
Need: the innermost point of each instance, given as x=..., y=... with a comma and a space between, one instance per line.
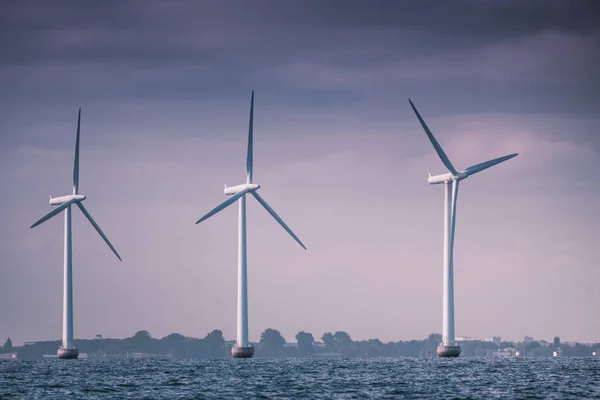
x=57, y=201
x=448, y=177
x=248, y=187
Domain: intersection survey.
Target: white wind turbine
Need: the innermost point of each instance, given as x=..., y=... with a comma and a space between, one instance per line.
x=243, y=349
x=68, y=350
x=448, y=347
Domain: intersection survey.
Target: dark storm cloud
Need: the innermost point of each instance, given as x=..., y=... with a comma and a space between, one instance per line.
x=197, y=31
x=502, y=56
x=507, y=56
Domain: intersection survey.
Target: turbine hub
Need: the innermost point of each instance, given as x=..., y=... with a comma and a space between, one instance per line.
x=459, y=176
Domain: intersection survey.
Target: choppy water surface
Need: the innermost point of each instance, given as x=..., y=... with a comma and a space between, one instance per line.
x=463, y=378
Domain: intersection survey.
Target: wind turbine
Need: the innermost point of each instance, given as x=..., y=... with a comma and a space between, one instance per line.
x=448, y=347
x=68, y=350
x=243, y=349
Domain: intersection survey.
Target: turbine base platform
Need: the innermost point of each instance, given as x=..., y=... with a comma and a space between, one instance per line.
x=242, y=351
x=448, y=351
x=68, y=354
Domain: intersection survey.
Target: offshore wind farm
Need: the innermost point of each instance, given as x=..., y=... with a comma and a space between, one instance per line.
x=243, y=347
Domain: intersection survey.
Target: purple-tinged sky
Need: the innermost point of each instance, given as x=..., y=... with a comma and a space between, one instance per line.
x=165, y=89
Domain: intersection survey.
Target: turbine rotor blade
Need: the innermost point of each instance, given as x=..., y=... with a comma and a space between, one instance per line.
x=485, y=165
x=54, y=212
x=434, y=142
x=223, y=205
x=76, y=163
x=277, y=217
x=453, y=211
x=249, y=160
x=95, y=225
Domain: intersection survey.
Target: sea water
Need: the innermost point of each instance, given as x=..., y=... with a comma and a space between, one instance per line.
x=306, y=378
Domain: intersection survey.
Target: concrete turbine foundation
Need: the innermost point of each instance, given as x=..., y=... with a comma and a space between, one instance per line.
x=448, y=351
x=242, y=351
x=68, y=354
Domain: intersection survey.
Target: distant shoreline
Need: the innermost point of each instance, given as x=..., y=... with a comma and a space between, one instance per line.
x=272, y=344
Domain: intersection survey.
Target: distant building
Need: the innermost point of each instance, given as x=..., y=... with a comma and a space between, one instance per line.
x=493, y=339
x=463, y=338
x=526, y=339
x=99, y=337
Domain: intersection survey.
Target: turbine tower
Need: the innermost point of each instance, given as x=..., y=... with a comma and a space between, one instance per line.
x=448, y=347
x=243, y=349
x=68, y=350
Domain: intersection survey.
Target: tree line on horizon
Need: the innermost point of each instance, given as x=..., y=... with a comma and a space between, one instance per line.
x=273, y=344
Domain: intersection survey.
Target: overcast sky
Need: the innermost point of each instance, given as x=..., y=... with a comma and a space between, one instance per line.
x=165, y=90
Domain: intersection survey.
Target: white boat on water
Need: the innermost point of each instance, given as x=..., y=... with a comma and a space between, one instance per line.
x=557, y=353
x=504, y=353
